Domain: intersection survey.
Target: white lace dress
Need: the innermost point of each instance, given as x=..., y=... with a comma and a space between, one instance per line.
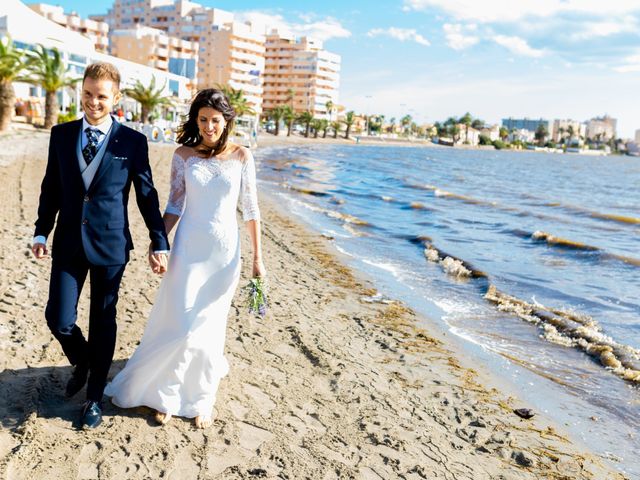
x=180, y=360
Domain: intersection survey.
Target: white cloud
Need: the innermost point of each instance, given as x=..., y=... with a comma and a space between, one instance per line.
x=320, y=29
x=456, y=38
x=518, y=46
x=402, y=34
x=631, y=64
x=626, y=24
x=496, y=11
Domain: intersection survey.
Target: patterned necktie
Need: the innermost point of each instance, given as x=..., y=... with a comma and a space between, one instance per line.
x=90, y=150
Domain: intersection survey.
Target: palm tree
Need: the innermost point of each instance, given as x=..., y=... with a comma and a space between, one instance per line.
x=149, y=97
x=561, y=132
x=290, y=96
x=237, y=100
x=336, y=128
x=405, y=122
x=12, y=64
x=571, y=132
x=316, y=124
x=276, y=115
x=289, y=117
x=503, y=133
x=324, y=126
x=349, y=119
x=329, y=105
x=392, y=125
x=466, y=120
x=541, y=134
x=306, y=118
x=477, y=124
x=46, y=69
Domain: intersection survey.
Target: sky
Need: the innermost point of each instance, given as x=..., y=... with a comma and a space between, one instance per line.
x=432, y=59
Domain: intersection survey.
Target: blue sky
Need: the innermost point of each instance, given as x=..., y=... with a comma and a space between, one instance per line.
x=496, y=58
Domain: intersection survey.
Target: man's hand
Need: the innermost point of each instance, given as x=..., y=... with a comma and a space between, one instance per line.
x=158, y=262
x=40, y=251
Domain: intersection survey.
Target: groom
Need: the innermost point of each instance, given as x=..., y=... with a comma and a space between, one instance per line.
x=92, y=164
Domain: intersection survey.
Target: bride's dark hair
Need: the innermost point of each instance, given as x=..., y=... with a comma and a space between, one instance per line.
x=189, y=134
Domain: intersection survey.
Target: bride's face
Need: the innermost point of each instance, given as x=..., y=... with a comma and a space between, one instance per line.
x=211, y=124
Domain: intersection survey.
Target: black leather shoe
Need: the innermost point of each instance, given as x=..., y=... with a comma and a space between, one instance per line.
x=91, y=414
x=77, y=380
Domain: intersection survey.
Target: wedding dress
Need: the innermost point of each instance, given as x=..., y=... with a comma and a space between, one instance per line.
x=180, y=360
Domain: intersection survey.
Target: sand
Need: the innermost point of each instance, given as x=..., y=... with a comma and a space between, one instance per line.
x=328, y=385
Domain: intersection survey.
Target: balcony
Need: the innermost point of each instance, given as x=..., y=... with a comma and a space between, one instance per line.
x=252, y=47
x=245, y=87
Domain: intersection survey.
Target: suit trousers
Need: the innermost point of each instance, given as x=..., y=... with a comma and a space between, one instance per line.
x=67, y=280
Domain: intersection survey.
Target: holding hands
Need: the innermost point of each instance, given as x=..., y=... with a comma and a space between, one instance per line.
x=40, y=251
x=157, y=261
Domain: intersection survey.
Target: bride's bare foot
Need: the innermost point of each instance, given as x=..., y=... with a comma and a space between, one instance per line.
x=205, y=421
x=162, y=418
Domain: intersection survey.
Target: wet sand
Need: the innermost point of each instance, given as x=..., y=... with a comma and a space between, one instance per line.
x=329, y=385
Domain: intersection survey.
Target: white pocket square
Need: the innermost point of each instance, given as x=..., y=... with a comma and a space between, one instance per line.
x=119, y=158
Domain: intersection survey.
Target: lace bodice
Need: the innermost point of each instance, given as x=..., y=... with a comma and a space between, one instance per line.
x=213, y=180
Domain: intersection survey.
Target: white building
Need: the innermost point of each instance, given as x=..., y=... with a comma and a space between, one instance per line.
x=601, y=128
x=570, y=130
x=523, y=135
x=27, y=28
x=493, y=132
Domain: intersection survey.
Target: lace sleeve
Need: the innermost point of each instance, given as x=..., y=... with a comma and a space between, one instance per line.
x=177, y=195
x=250, y=210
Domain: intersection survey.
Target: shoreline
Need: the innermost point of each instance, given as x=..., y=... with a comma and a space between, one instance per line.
x=328, y=382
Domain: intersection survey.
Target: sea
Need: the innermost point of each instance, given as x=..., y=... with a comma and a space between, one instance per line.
x=530, y=260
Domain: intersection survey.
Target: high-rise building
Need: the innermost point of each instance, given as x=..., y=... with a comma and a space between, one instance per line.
x=27, y=28
x=235, y=57
x=601, y=128
x=228, y=52
x=300, y=73
x=527, y=124
x=568, y=129
x=234, y=53
x=155, y=48
x=96, y=31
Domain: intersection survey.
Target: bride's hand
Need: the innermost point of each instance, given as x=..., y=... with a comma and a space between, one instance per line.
x=258, y=269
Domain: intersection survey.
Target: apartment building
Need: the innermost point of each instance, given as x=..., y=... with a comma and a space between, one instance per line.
x=228, y=52
x=601, y=128
x=568, y=129
x=527, y=124
x=27, y=28
x=153, y=47
x=235, y=56
x=299, y=72
x=96, y=31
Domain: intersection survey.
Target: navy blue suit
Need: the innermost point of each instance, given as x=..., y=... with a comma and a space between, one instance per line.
x=92, y=237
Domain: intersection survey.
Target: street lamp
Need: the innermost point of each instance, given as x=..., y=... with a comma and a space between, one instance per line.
x=366, y=115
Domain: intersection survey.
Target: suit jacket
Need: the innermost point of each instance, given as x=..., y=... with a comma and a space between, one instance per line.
x=95, y=220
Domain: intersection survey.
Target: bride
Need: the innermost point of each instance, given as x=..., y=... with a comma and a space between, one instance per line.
x=178, y=365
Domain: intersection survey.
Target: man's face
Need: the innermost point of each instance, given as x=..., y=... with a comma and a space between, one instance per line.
x=98, y=98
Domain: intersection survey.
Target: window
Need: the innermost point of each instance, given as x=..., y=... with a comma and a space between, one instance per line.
x=174, y=87
x=77, y=58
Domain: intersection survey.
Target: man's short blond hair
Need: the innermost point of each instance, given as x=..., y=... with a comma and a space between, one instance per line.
x=103, y=71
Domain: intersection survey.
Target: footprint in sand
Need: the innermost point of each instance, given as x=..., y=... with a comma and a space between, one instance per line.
x=259, y=397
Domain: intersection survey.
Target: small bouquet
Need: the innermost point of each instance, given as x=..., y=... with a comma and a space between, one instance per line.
x=257, y=291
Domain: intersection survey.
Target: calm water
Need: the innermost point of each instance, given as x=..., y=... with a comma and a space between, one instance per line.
x=556, y=236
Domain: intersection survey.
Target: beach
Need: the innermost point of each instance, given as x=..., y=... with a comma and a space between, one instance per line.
x=331, y=384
